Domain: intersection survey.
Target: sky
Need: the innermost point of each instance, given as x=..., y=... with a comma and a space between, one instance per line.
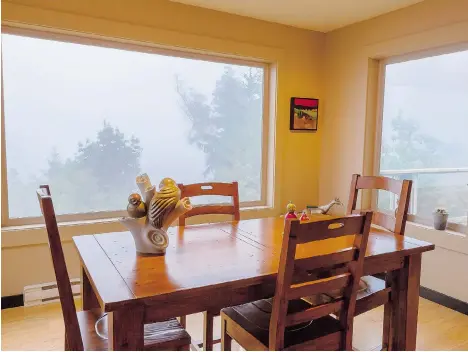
x=434, y=92
x=58, y=94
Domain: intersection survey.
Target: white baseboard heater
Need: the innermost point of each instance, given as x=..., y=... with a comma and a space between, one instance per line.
x=46, y=293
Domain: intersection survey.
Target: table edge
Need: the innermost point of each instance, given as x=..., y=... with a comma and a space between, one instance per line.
x=127, y=298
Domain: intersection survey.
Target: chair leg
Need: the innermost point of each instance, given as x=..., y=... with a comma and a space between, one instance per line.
x=67, y=348
x=225, y=338
x=208, y=319
x=183, y=321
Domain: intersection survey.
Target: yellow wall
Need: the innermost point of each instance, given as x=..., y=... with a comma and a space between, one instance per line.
x=297, y=54
x=350, y=112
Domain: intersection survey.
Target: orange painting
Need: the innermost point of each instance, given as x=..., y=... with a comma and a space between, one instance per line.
x=304, y=114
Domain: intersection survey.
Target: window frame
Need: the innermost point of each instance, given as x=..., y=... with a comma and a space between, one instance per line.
x=143, y=47
x=451, y=226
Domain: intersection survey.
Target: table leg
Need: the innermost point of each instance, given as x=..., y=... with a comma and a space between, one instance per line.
x=388, y=317
x=414, y=279
x=126, y=330
x=88, y=297
x=405, y=304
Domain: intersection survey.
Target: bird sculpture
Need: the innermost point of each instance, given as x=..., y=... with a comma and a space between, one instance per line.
x=149, y=220
x=324, y=209
x=163, y=202
x=136, y=208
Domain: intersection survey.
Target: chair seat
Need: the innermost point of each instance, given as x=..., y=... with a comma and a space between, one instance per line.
x=255, y=317
x=167, y=335
x=367, y=297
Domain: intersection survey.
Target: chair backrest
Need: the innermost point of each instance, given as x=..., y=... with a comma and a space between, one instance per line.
x=295, y=276
x=72, y=329
x=402, y=188
x=211, y=189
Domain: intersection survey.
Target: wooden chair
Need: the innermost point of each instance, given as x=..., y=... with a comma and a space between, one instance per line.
x=80, y=331
x=290, y=323
x=393, y=222
x=210, y=189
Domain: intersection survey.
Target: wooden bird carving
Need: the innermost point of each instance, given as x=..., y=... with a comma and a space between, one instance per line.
x=163, y=202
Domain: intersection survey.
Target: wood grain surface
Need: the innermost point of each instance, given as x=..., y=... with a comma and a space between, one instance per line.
x=210, y=256
x=211, y=266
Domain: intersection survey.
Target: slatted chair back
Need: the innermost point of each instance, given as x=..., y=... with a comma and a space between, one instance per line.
x=73, y=337
x=211, y=189
x=401, y=188
x=344, y=272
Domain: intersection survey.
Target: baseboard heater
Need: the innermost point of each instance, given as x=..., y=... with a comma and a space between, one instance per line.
x=46, y=293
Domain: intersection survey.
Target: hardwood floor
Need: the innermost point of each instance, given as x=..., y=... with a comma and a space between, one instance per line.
x=41, y=328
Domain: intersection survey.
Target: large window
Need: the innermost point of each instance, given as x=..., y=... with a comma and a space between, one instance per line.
x=87, y=119
x=424, y=134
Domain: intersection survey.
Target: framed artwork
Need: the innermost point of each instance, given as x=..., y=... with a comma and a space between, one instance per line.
x=304, y=114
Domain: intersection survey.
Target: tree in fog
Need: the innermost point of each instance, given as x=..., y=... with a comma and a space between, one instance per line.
x=410, y=148
x=98, y=177
x=228, y=128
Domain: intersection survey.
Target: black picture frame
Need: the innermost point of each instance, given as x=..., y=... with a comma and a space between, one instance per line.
x=303, y=114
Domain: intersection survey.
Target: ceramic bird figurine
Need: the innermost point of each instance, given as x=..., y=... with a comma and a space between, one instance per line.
x=136, y=208
x=163, y=202
x=324, y=209
x=161, y=208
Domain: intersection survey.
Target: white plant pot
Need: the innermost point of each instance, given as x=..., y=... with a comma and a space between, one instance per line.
x=440, y=221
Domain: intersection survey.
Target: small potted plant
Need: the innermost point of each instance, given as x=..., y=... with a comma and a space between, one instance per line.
x=440, y=218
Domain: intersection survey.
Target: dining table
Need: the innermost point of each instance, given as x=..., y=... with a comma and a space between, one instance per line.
x=208, y=267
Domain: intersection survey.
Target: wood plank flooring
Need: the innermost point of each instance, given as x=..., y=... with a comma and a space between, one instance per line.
x=41, y=328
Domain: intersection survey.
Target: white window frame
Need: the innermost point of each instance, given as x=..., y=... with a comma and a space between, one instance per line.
x=144, y=47
x=378, y=131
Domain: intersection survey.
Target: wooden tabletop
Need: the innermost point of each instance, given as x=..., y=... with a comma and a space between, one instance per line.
x=234, y=254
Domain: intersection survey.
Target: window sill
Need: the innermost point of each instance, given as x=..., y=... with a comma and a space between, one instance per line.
x=28, y=235
x=447, y=232
x=448, y=239
x=62, y=224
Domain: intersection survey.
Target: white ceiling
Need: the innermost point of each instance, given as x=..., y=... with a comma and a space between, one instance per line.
x=319, y=15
